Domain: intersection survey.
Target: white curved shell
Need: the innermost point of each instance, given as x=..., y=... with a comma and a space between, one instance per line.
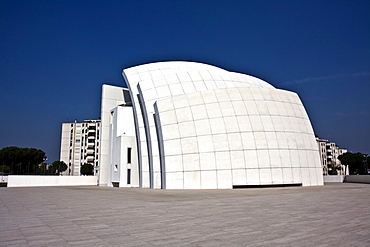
x=219, y=129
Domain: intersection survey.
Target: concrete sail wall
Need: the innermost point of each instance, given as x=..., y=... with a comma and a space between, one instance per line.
x=220, y=129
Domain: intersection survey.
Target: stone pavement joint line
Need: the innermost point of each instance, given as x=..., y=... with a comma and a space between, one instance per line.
x=330, y=215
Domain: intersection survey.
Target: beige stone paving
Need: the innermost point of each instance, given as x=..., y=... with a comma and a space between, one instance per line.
x=330, y=215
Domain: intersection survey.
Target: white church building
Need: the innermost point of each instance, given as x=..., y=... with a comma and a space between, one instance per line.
x=187, y=125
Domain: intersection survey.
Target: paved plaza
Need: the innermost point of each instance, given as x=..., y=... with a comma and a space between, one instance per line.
x=330, y=215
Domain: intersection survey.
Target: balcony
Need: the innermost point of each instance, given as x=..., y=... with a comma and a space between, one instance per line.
x=90, y=159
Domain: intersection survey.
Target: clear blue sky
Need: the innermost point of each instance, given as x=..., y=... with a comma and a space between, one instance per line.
x=55, y=55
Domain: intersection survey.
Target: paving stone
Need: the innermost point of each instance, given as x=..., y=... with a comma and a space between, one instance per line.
x=330, y=215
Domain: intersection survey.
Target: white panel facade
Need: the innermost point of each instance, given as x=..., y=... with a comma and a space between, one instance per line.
x=202, y=127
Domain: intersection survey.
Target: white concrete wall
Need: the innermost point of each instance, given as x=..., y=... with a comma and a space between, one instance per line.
x=221, y=129
x=112, y=96
x=3, y=179
x=334, y=179
x=31, y=181
x=122, y=137
x=247, y=140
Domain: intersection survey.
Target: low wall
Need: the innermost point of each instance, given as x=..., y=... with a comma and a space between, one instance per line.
x=357, y=179
x=3, y=179
x=30, y=181
x=334, y=179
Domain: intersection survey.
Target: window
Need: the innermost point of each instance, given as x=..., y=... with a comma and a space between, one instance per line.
x=115, y=168
x=128, y=176
x=129, y=155
x=78, y=140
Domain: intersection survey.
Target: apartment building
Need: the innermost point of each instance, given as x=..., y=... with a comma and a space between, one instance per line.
x=329, y=153
x=80, y=145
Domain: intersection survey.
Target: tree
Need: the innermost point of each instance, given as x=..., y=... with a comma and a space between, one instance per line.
x=347, y=159
x=57, y=167
x=87, y=169
x=4, y=169
x=356, y=162
x=43, y=170
x=21, y=160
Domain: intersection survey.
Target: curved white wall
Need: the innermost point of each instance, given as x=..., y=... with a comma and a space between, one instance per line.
x=219, y=129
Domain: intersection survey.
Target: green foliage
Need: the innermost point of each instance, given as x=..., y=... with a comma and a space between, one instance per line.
x=4, y=169
x=87, y=169
x=21, y=160
x=357, y=162
x=333, y=169
x=57, y=167
x=44, y=169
